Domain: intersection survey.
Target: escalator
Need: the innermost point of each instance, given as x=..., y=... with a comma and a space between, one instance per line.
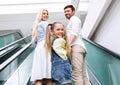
x=9, y=50
x=8, y=38
x=12, y=57
x=102, y=64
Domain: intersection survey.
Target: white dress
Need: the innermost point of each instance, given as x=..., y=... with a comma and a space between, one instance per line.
x=41, y=63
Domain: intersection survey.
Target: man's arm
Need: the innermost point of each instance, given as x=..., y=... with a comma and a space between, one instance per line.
x=72, y=38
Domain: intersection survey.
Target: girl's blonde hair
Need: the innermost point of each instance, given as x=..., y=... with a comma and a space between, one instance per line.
x=37, y=21
x=49, y=35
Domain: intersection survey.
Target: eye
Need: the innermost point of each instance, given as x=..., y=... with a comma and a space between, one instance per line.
x=57, y=29
x=61, y=29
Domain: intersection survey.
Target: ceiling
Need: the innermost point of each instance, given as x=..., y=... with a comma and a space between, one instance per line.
x=33, y=6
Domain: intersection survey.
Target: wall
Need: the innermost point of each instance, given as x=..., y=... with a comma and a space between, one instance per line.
x=25, y=21
x=109, y=29
x=96, y=10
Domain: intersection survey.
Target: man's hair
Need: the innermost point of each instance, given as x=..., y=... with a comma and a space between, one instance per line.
x=69, y=6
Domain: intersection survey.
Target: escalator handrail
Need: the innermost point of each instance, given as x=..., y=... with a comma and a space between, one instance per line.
x=4, y=64
x=11, y=33
x=13, y=43
x=7, y=50
x=103, y=48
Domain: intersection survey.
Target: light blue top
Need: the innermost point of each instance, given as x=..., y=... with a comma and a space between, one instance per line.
x=41, y=30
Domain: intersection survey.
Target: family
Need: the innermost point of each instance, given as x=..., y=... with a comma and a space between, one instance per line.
x=59, y=56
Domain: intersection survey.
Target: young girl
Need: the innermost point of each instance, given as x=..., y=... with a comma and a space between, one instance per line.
x=56, y=43
x=41, y=63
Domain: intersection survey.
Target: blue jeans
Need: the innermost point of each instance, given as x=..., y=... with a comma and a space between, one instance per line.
x=61, y=70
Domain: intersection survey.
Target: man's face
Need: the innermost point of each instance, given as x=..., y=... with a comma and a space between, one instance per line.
x=68, y=13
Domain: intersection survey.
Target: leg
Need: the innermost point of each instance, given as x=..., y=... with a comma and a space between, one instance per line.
x=77, y=69
x=77, y=60
x=48, y=82
x=85, y=77
x=68, y=84
x=38, y=82
x=55, y=84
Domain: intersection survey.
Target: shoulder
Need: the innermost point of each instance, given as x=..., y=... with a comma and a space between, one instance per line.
x=44, y=23
x=59, y=41
x=75, y=18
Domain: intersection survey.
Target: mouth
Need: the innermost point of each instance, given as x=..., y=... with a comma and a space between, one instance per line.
x=67, y=15
x=60, y=35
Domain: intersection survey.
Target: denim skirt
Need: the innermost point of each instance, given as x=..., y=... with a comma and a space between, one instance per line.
x=61, y=70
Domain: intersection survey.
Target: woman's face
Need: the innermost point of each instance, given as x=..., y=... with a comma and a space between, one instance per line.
x=45, y=15
x=58, y=31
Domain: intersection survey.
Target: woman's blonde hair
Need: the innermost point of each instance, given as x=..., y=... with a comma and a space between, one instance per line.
x=37, y=21
x=49, y=35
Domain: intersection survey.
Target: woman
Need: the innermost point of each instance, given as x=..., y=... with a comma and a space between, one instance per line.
x=42, y=63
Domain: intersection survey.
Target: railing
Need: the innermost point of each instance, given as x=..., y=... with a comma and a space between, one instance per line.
x=11, y=33
x=8, y=67
x=4, y=64
x=104, y=64
x=8, y=38
x=9, y=50
x=15, y=42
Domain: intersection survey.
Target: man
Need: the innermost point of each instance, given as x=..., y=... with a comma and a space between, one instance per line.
x=78, y=49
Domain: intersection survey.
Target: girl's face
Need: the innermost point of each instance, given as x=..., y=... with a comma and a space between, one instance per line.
x=45, y=15
x=58, y=30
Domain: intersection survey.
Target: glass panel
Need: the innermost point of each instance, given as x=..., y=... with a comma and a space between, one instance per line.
x=7, y=53
x=104, y=66
x=6, y=73
x=23, y=73
x=7, y=39
x=16, y=36
x=1, y=41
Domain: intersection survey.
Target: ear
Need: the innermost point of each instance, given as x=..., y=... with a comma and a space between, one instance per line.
x=73, y=12
x=51, y=33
